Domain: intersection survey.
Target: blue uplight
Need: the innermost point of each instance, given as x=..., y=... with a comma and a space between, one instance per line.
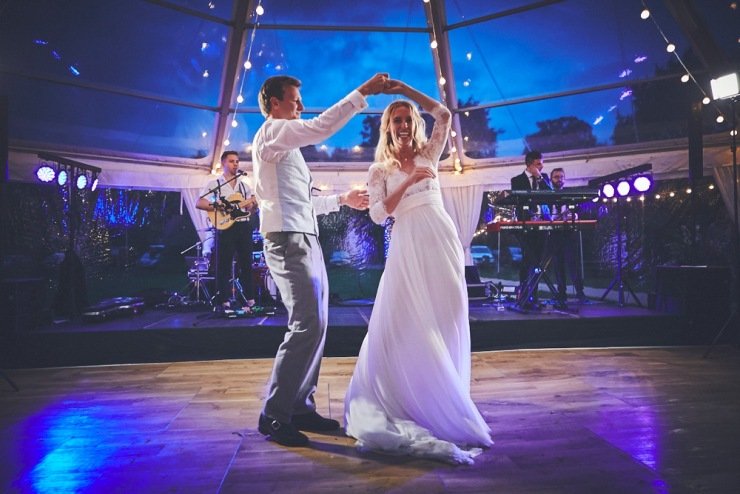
x=81, y=181
x=62, y=177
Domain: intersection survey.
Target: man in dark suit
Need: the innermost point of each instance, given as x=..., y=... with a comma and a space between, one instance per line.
x=532, y=243
x=565, y=247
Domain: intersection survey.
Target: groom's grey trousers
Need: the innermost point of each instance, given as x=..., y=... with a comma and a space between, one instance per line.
x=296, y=264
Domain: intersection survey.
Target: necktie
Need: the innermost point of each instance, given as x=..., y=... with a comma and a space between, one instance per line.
x=534, y=182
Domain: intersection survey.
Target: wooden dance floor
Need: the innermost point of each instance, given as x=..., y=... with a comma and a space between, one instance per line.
x=626, y=420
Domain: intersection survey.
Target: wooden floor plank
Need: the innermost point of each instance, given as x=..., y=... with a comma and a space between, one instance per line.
x=564, y=421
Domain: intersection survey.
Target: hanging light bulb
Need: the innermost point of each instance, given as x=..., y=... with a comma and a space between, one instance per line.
x=259, y=10
x=720, y=118
x=644, y=14
x=226, y=142
x=685, y=78
x=706, y=100
x=433, y=44
x=247, y=65
x=670, y=48
x=442, y=81
x=240, y=99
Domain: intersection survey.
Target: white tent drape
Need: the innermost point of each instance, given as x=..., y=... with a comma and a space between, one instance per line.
x=200, y=219
x=723, y=178
x=463, y=205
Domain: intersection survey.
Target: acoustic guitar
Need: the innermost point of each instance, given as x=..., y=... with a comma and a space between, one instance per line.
x=231, y=210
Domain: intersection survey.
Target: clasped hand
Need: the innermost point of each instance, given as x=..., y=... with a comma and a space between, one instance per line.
x=382, y=83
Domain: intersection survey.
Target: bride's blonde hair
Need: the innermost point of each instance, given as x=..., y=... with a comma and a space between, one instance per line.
x=387, y=150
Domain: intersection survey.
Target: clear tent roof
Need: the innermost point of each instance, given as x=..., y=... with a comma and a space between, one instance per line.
x=168, y=78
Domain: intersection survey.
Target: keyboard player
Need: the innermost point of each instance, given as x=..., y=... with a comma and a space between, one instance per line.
x=565, y=246
x=532, y=242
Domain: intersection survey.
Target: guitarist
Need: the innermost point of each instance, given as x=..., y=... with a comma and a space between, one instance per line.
x=232, y=199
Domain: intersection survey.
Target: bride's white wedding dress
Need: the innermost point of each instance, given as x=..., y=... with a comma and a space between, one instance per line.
x=410, y=391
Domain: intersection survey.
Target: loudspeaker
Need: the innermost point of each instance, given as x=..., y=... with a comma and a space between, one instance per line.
x=699, y=292
x=696, y=146
x=472, y=275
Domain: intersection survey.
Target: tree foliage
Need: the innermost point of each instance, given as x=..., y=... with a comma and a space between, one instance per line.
x=480, y=139
x=560, y=134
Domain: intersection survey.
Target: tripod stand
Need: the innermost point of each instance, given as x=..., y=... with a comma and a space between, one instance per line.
x=735, y=289
x=196, y=285
x=237, y=292
x=618, y=280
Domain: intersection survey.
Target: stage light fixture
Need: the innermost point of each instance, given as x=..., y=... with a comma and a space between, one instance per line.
x=81, y=181
x=623, y=188
x=643, y=183
x=62, y=176
x=725, y=87
x=632, y=181
x=607, y=190
x=45, y=173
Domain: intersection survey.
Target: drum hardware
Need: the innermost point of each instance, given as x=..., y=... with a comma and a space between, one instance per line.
x=267, y=291
x=195, y=292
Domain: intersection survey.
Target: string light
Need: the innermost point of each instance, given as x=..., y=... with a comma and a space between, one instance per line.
x=671, y=48
x=433, y=44
x=259, y=11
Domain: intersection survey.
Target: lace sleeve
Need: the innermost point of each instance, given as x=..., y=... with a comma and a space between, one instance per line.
x=436, y=143
x=377, y=191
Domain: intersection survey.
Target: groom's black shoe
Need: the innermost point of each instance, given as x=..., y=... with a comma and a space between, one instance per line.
x=313, y=422
x=280, y=432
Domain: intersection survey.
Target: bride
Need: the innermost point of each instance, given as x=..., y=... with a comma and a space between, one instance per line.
x=410, y=391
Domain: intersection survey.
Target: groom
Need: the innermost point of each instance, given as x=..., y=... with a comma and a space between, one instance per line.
x=291, y=246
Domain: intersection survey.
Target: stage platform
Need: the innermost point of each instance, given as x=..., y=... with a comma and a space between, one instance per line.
x=179, y=334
